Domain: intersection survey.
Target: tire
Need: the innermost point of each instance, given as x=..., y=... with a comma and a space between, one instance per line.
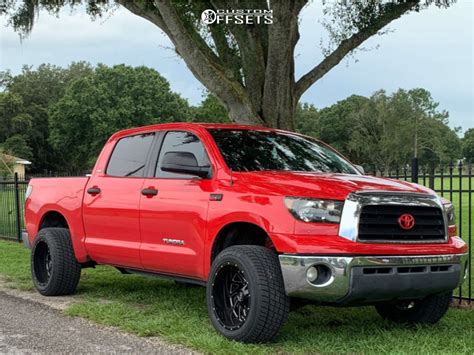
x=54, y=268
x=428, y=310
x=253, y=275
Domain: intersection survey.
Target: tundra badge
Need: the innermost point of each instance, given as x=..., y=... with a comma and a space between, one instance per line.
x=173, y=241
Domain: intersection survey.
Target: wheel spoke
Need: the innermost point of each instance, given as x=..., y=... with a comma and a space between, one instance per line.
x=233, y=298
x=48, y=264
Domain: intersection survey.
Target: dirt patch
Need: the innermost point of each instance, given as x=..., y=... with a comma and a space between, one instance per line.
x=59, y=303
x=462, y=305
x=30, y=298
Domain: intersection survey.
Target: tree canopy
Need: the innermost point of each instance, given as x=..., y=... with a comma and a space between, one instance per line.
x=249, y=68
x=109, y=99
x=24, y=105
x=210, y=110
x=59, y=118
x=468, y=145
x=386, y=131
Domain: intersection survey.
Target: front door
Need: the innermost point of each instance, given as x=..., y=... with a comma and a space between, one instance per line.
x=111, y=204
x=173, y=222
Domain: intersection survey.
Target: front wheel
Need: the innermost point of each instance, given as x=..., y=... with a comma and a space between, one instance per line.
x=427, y=310
x=245, y=294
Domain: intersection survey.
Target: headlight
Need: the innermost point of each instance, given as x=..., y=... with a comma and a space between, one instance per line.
x=314, y=210
x=449, y=210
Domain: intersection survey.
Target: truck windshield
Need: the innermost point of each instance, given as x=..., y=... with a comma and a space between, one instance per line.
x=246, y=150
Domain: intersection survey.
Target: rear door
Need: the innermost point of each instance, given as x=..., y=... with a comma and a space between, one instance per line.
x=174, y=221
x=111, y=204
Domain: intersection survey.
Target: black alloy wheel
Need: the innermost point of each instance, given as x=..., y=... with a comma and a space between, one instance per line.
x=231, y=296
x=43, y=264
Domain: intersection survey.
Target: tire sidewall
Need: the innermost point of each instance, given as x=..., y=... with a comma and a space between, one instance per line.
x=42, y=237
x=428, y=310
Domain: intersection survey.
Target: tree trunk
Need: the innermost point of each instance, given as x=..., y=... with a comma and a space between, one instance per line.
x=279, y=90
x=279, y=99
x=241, y=112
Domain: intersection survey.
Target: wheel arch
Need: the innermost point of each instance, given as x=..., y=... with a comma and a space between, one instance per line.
x=53, y=218
x=239, y=233
x=57, y=218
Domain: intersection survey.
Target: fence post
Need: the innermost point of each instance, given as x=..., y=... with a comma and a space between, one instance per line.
x=432, y=178
x=414, y=170
x=17, y=208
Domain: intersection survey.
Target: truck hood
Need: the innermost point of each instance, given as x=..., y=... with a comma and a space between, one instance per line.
x=322, y=185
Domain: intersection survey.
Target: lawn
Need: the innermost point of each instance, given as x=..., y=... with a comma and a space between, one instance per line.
x=149, y=307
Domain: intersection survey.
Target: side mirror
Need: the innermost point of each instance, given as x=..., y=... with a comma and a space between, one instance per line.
x=360, y=168
x=184, y=163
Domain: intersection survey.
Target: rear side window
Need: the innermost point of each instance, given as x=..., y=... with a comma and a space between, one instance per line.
x=129, y=155
x=180, y=141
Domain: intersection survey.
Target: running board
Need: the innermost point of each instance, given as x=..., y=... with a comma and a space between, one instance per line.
x=163, y=276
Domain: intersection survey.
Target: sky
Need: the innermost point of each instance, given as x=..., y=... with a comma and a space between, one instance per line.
x=432, y=49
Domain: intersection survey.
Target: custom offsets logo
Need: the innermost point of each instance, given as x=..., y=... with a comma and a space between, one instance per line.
x=237, y=17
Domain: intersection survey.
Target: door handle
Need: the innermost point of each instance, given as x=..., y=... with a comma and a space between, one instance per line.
x=150, y=192
x=93, y=190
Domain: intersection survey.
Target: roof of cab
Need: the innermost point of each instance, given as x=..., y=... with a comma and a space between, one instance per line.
x=187, y=125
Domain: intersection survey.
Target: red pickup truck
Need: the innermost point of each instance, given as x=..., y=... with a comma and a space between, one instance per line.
x=260, y=216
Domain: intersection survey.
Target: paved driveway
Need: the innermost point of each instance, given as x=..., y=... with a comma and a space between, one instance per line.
x=30, y=327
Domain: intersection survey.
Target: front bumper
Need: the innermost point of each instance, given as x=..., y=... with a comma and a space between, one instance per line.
x=25, y=238
x=348, y=280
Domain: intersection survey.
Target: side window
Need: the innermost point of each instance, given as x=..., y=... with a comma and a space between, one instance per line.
x=129, y=156
x=180, y=141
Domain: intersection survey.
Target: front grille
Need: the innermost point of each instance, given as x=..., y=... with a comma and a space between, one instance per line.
x=380, y=223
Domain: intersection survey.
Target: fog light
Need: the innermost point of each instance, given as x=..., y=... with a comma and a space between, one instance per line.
x=312, y=274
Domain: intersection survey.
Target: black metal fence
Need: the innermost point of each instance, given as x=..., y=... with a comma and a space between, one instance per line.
x=453, y=182
x=12, y=202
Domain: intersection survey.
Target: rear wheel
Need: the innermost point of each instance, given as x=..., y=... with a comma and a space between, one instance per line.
x=428, y=310
x=54, y=267
x=245, y=294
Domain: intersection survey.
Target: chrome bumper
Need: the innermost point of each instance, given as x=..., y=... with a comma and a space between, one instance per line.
x=25, y=239
x=369, y=279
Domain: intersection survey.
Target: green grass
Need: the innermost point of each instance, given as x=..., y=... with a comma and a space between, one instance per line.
x=150, y=307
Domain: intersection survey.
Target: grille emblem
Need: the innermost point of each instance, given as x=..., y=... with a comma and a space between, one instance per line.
x=406, y=221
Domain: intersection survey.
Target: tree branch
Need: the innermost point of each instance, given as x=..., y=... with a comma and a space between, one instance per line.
x=142, y=9
x=349, y=44
x=206, y=66
x=228, y=55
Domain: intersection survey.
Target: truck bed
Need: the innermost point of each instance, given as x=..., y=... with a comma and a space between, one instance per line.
x=63, y=195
